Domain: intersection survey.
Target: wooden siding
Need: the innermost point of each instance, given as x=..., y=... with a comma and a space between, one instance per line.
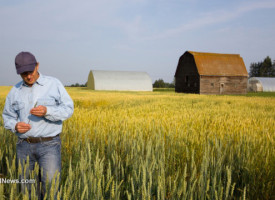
x=216, y=74
x=223, y=85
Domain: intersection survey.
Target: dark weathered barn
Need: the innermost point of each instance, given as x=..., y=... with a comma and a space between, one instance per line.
x=211, y=73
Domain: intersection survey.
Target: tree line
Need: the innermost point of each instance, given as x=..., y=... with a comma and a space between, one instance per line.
x=161, y=84
x=265, y=68
x=77, y=85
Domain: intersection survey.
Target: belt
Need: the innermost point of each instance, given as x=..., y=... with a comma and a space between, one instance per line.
x=39, y=139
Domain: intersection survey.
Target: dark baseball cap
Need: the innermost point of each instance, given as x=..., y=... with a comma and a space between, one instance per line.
x=25, y=62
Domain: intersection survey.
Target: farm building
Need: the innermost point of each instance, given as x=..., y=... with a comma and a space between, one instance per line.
x=261, y=84
x=211, y=73
x=119, y=80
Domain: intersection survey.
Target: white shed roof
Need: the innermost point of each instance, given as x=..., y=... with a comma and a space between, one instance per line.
x=267, y=83
x=119, y=80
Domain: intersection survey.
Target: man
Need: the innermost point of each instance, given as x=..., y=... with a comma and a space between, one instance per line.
x=34, y=111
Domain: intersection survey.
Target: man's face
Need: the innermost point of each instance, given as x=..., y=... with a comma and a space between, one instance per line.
x=30, y=77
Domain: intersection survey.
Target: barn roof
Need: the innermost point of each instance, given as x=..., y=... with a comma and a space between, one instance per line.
x=119, y=80
x=215, y=64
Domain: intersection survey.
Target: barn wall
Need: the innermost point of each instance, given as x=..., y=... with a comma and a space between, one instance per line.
x=91, y=81
x=119, y=81
x=223, y=85
x=187, y=77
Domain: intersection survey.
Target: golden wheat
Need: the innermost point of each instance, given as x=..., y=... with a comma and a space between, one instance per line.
x=160, y=145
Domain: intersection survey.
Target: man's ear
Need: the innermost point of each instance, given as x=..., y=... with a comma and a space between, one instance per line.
x=37, y=65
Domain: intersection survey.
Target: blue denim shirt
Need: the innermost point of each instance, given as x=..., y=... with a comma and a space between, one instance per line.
x=46, y=91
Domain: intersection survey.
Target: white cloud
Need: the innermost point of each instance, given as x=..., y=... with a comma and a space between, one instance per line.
x=210, y=18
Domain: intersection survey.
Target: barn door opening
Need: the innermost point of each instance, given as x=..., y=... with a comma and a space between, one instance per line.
x=221, y=88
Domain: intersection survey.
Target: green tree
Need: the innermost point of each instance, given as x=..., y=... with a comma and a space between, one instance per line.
x=159, y=84
x=77, y=85
x=263, y=69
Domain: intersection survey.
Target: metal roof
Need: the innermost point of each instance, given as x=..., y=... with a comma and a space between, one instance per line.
x=119, y=80
x=267, y=83
x=215, y=64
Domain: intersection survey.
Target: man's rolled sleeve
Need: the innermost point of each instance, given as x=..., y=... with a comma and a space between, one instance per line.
x=10, y=116
x=65, y=108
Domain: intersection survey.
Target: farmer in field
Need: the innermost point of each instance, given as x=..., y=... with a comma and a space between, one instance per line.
x=34, y=111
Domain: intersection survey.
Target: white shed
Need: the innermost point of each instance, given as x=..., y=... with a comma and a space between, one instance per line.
x=119, y=80
x=261, y=84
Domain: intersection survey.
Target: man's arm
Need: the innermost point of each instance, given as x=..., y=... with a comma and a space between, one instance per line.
x=62, y=111
x=10, y=118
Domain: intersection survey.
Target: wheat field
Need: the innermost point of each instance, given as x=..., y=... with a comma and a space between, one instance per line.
x=158, y=145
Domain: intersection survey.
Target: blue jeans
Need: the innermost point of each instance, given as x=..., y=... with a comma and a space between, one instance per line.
x=47, y=155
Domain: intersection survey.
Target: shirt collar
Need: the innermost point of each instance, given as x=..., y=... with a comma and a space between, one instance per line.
x=39, y=81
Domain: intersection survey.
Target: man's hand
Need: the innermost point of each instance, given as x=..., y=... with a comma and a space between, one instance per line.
x=39, y=111
x=22, y=127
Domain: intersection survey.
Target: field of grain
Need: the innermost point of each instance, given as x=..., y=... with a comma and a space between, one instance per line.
x=159, y=145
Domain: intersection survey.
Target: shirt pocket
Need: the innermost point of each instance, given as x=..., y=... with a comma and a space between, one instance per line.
x=46, y=102
x=18, y=105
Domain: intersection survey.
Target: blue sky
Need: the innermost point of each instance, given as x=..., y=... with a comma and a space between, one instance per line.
x=69, y=38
